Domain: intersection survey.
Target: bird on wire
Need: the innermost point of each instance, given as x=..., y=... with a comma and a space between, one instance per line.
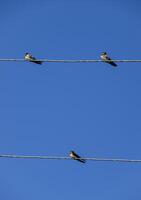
x=75, y=156
x=104, y=56
x=30, y=58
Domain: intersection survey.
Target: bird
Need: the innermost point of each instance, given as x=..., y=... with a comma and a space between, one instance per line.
x=74, y=156
x=30, y=58
x=107, y=59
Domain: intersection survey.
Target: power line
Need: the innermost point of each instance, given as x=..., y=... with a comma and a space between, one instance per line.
x=65, y=61
x=68, y=158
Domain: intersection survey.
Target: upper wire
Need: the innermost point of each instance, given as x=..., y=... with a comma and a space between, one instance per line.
x=65, y=61
x=69, y=158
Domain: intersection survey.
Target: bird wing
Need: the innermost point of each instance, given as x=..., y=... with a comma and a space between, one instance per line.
x=33, y=58
x=112, y=63
x=76, y=155
x=79, y=158
x=108, y=58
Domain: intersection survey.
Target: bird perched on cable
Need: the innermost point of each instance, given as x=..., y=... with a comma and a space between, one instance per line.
x=74, y=156
x=107, y=59
x=30, y=58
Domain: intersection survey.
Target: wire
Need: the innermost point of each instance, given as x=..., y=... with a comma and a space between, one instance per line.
x=68, y=158
x=65, y=61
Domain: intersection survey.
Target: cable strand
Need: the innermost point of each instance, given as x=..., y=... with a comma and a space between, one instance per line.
x=68, y=158
x=65, y=61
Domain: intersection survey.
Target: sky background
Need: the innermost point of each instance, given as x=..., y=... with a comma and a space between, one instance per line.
x=51, y=109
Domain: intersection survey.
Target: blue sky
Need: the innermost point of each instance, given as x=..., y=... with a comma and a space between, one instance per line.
x=91, y=108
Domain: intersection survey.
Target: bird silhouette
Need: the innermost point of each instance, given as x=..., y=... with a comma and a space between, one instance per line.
x=74, y=156
x=30, y=58
x=107, y=59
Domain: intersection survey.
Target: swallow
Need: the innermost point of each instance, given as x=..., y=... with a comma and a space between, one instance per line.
x=30, y=58
x=74, y=156
x=107, y=59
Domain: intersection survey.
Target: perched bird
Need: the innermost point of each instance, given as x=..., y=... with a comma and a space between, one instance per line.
x=107, y=59
x=74, y=156
x=30, y=58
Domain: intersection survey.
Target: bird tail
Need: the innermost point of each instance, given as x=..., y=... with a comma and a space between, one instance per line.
x=113, y=64
x=82, y=160
x=38, y=62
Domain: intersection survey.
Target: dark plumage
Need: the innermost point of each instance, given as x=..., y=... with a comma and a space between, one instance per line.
x=107, y=59
x=74, y=156
x=30, y=58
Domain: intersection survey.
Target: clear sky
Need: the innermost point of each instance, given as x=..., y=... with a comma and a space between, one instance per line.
x=91, y=108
